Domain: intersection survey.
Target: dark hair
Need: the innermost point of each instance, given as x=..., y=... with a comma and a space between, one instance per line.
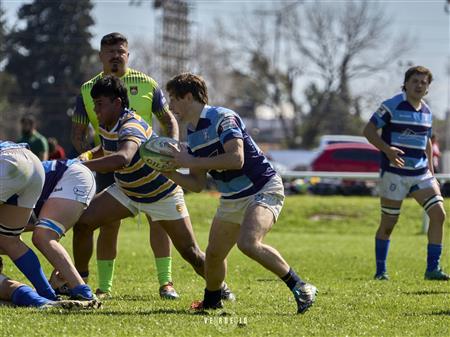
x=112, y=39
x=185, y=83
x=29, y=117
x=112, y=87
x=417, y=70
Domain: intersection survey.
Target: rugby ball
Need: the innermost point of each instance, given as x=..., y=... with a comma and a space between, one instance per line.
x=156, y=153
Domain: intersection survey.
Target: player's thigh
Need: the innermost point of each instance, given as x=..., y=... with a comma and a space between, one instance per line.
x=65, y=211
x=103, y=210
x=14, y=216
x=180, y=231
x=390, y=211
x=431, y=199
x=258, y=220
x=222, y=237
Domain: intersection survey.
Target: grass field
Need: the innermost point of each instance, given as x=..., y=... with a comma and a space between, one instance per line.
x=328, y=240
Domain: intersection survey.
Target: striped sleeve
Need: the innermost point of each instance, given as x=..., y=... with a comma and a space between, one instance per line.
x=80, y=115
x=132, y=130
x=229, y=128
x=381, y=117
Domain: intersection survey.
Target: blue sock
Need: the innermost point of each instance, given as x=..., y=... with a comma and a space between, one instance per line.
x=291, y=279
x=24, y=296
x=29, y=265
x=83, y=291
x=434, y=255
x=381, y=252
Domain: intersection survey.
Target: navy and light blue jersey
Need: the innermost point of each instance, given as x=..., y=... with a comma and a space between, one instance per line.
x=406, y=128
x=6, y=145
x=54, y=170
x=215, y=127
x=138, y=181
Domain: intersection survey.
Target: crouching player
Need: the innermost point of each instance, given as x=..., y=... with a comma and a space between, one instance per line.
x=23, y=296
x=69, y=188
x=252, y=192
x=21, y=182
x=138, y=187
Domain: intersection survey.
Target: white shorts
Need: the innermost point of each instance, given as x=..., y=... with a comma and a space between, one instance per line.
x=21, y=177
x=171, y=207
x=271, y=196
x=397, y=187
x=77, y=183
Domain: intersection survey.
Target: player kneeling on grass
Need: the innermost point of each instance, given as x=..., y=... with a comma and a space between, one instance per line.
x=252, y=192
x=23, y=296
x=69, y=188
x=138, y=187
x=407, y=167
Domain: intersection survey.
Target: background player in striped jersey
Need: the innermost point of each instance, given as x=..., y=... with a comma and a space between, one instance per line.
x=252, y=192
x=69, y=188
x=138, y=187
x=146, y=99
x=405, y=121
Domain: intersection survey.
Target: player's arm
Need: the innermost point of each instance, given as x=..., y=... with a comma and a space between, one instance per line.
x=195, y=181
x=42, y=151
x=96, y=152
x=232, y=159
x=429, y=153
x=80, y=127
x=165, y=117
x=114, y=161
x=393, y=153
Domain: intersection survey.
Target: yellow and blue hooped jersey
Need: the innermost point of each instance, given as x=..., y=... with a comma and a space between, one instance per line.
x=138, y=181
x=144, y=94
x=215, y=127
x=407, y=129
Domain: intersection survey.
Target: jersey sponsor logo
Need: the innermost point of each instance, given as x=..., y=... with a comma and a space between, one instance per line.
x=393, y=187
x=134, y=90
x=229, y=123
x=381, y=111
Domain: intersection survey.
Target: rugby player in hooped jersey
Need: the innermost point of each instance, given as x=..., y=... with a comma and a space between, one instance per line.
x=405, y=121
x=252, y=192
x=138, y=188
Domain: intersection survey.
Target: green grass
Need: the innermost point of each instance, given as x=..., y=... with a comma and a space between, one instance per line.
x=328, y=240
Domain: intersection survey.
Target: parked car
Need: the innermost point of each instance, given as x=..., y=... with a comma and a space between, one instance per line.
x=346, y=157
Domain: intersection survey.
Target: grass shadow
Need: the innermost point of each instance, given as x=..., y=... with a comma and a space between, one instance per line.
x=426, y=292
x=103, y=312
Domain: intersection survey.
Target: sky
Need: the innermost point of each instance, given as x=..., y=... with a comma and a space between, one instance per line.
x=425, y=21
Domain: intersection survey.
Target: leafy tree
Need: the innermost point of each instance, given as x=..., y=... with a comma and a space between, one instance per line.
x=49, y=56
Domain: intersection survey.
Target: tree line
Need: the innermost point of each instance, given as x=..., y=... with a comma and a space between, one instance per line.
x=299, y=59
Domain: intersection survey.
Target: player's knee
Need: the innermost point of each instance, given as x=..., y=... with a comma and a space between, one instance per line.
x=193, y=255
x=213, y=254
x=40, y=237
x=247, y=246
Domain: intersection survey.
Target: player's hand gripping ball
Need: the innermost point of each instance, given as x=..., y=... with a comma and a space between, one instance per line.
x=157, y=153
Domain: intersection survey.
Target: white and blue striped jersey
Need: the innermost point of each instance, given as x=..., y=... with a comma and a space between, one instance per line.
x=406, y=128
x=6, y=145
x=215, y=127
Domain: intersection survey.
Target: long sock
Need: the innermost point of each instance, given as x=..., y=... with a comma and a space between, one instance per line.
x=29, y=265
x=381, y=252
x=212, y=298
x=105, y=274
x=24, y=296
x=434, y=255
x=164, y=269
x=291, y=279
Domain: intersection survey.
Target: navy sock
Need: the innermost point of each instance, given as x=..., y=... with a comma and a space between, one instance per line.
x=24, y=296
x=83, y=291
x=381, y=252
x=212, y=298
x=29, y=265
x=433, y=257
x=291, y=279
x=84, y=274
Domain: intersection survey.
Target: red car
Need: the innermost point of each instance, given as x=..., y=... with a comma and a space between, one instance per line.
x=348, y=157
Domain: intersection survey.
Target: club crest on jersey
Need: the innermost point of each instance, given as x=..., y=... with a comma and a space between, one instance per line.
x=134, y=90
